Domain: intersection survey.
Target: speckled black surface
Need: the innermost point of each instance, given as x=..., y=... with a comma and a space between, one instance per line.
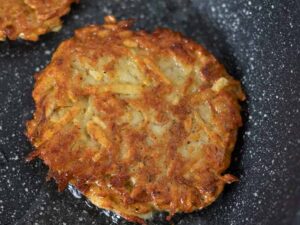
x=257, y=40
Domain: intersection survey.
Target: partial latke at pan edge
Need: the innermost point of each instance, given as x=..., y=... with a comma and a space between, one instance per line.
x=138, y=122
x=28, y=19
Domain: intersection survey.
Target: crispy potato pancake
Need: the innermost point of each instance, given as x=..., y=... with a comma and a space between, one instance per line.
x=27, y=19
x=138, y=122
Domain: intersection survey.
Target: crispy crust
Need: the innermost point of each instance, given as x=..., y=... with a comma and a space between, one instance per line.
x=27, y=19
x=136, y=121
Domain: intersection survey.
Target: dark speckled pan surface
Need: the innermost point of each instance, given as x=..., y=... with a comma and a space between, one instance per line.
x=259, y=43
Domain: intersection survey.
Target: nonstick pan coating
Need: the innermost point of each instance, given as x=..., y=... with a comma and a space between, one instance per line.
x=259, y=43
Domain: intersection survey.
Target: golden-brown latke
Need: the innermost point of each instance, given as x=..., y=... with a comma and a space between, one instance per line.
x=138, y=122
x=27, y=19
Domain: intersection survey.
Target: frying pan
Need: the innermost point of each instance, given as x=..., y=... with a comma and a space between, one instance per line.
x=258, y=41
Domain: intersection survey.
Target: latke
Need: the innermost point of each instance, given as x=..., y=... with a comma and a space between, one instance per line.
x=27, y=19
x=138, y=122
